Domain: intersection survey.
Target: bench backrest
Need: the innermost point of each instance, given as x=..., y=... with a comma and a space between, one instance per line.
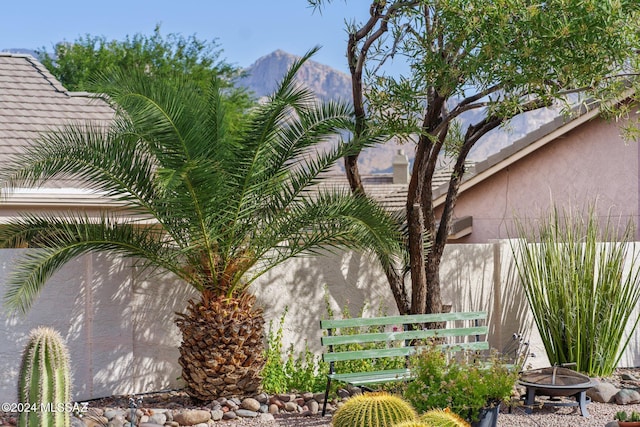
x=471, y=335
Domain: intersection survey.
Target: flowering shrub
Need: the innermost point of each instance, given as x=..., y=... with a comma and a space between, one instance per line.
x=465, y=382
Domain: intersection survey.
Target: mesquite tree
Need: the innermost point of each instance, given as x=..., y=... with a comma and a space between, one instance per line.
x=499, y=59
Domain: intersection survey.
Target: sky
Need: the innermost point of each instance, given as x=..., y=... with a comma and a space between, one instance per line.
x=244, y=29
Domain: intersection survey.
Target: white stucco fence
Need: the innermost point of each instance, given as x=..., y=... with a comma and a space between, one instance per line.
x=119, y=322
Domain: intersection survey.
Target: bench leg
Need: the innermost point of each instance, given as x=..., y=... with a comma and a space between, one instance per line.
x=326, y=397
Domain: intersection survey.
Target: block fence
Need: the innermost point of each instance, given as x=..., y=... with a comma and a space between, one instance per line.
x=118, y=321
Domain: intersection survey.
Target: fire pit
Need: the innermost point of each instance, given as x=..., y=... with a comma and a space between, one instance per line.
x=556, y=382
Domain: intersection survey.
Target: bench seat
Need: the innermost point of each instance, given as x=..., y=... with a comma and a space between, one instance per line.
x=351, y=339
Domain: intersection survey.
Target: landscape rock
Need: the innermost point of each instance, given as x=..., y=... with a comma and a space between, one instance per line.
x=313, y=406
x=158, y=418
x=627, y=397
x=229, y=415
x=291, y=406
x=216, y=414
x=603, y=392
x=192, y=417
x=262, y=398
x=245, y=413
x=250, y=404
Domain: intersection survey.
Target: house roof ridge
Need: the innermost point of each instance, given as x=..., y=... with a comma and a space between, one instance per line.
x=44, y=72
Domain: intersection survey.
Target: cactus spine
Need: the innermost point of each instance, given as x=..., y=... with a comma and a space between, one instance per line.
x=44, y=383
x=373, y=409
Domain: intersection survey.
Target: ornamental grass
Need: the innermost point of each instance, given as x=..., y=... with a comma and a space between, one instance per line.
x=581, y=279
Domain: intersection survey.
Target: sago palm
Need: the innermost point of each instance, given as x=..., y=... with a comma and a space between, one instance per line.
x=216, y=205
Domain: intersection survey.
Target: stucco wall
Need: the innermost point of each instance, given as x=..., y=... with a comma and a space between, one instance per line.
x=119, y=321
x=589, y=164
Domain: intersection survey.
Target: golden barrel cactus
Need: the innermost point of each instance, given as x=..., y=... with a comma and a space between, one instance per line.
x=377, y=409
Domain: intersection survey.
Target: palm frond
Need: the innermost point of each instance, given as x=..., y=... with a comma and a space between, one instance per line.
x=61, y=239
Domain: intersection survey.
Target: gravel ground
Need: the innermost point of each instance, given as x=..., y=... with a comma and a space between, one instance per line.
x=600, y=415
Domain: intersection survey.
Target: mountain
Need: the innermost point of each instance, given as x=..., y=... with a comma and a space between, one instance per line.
x=264, y=74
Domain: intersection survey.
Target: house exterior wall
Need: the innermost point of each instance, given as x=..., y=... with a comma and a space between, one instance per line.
x=589, y=164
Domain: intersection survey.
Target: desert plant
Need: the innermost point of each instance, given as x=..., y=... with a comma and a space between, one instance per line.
x=44, y=384
x=304, y=371
x=216, y=205
x=373, y=409
x=582, y=292
x=443, y=418
x=623, y=416
x=436, y=418
x=466, y=383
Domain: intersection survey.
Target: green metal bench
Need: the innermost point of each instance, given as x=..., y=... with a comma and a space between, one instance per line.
x=401, y=336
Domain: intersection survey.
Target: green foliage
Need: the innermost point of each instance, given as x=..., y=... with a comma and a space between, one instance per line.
x=484, y=63
x=288, y=371
x=44, y=384
x=227, y=203
x=373, y=409
x=78, y=63
x=582, y=293
x=303, y=372
x=464, y=382
x=623, y=416
x=274, y=378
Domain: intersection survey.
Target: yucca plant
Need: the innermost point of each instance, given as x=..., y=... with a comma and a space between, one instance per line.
x=216, y=205
x=44, y=384
x=582, y=282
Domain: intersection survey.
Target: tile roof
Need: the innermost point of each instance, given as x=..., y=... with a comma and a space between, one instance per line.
x=380, y=187
x=32, y=101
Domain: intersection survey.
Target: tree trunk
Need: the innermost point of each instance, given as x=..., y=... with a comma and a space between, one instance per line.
x=416, y=253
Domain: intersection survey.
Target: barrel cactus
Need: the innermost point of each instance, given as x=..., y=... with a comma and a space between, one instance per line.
x=436, y=418
x=373, y=409
x=443, y=418
x=44, y=385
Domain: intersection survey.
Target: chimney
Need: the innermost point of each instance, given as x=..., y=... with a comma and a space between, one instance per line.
x=400, y=168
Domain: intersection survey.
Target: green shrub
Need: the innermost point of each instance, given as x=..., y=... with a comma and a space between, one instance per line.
x=296, y=372
x=466, y=383
x=286, y=371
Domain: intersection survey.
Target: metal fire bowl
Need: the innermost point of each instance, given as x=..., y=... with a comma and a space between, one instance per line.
x=556, y=381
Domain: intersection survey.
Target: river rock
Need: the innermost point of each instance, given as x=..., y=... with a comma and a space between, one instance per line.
x=192, y=417
x=229, y=415
x=262, y=398
x=216, y=414
x=250, y=404
x=245, y=413
x=313, y=406
x=291, y=406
